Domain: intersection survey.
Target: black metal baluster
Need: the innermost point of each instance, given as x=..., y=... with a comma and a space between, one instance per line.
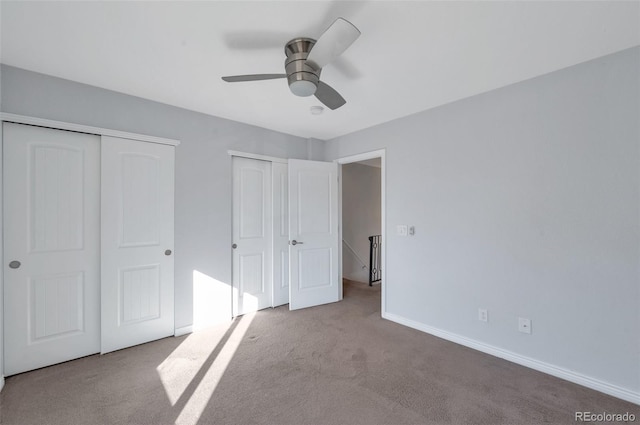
x=375, y=274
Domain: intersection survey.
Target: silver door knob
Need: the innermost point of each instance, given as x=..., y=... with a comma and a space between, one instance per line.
x=234, y=246
x=295, y=242
x=167, y=252
x=14, y=264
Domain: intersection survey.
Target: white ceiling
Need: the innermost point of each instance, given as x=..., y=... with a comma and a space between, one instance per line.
x=411, y=56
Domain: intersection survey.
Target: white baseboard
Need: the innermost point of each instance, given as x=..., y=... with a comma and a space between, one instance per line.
x=576, y=378
x=183, y=330
x=1, y=382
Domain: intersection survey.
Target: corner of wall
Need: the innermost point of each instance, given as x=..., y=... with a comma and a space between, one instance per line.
x=315, y=149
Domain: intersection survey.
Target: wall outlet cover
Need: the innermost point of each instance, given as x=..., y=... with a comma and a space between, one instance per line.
x=524, y=325
x=402, y=230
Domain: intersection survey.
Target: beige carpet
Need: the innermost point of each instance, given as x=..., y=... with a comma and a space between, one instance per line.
x=333, y=364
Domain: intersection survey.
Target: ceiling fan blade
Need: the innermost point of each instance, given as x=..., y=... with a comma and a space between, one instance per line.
x=332, y=43
x=327, y=95
x=252, y=77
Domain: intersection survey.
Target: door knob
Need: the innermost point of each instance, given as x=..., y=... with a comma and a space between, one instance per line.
x=234, y=246
x=14, y=264
x=295, y=242
x=167, y=252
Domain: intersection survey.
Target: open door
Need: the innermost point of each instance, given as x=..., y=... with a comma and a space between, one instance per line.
x=313, y=233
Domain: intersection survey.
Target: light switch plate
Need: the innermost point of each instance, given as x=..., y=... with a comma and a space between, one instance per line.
x=483, y=315
x=402, y=229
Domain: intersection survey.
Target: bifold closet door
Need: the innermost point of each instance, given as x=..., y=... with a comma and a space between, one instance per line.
x=137, y=242
x=51, y=246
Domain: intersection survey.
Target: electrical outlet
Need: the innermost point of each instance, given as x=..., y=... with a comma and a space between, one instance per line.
x=483, y=315
x=524, y=325
x=402, y=230
x=412, y=230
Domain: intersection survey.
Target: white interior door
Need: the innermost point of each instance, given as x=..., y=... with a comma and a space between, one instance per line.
x=280, y=234
x=252, y=235
x=137, y=242
x=51, y=245
x=313, y=231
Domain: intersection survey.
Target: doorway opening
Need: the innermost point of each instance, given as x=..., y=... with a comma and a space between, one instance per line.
x=362, y=229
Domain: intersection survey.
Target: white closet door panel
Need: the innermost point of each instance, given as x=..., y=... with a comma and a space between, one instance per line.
x=137, y=242
x=313, y=225
x=280, y=234
x=252, y=235
x=141, y=199
x=51, y=226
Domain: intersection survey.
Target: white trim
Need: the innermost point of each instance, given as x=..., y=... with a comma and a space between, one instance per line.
x=2, y=325
x=42, y=122
x=361, y=156
x=559, y=372
x=257, y=156
x=380, y=153
x=183, y=330
x=340, y=253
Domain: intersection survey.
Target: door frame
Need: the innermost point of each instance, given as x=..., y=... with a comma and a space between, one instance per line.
x=380, y=153
x=1, y=260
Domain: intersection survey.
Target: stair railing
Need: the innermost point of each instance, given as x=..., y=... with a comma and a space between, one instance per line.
x=375, y=273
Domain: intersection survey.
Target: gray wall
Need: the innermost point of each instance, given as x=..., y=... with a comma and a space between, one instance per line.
x=526, y=202
x=315, y=149
x=360, y=217
x=203, y=168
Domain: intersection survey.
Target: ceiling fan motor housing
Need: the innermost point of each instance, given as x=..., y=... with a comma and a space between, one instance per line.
x=302, y=78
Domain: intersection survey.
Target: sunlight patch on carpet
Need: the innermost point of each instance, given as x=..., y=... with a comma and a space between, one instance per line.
x=198, y=401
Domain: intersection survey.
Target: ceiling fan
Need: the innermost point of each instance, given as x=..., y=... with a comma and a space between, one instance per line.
x=305, y=59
